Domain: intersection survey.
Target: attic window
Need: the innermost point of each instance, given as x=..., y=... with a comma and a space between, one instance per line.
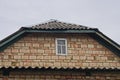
x=61, y=46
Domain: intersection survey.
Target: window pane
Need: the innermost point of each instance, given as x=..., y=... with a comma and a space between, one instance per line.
x=61, y=46
x=63, y=50
x=59, y=49
x=61, y=42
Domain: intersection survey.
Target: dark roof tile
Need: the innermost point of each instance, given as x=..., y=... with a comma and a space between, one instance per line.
x=54, y=24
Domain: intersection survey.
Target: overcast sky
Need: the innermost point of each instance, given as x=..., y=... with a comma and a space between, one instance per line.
x=102, y=14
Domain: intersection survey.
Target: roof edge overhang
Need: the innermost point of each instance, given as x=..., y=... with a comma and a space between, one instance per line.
x=62, y=68
x=95, y=33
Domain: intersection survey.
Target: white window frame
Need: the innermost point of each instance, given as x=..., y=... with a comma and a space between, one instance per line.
x=57, y=46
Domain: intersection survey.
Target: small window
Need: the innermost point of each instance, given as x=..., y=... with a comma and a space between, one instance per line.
x=61, y=46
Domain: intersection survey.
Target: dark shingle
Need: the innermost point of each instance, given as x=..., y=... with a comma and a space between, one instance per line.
x=54, y=24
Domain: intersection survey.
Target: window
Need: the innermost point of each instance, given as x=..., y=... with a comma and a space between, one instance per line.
x=61, y=46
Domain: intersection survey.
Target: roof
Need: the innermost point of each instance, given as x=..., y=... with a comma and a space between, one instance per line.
x=55, y=24
x=54, y=27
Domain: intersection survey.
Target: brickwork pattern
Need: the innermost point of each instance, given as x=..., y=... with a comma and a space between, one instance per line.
x=38, y=50
x=60, y=76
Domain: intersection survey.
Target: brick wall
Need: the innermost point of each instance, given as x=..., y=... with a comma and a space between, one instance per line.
x=38, y=50
x=60, y=75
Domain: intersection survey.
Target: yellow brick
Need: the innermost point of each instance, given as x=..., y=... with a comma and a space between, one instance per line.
x=40, y=38
x=15, y=50
x=46, y=57
x=57, y=64
x=90, y=46
x=33, y=50
x=35, y=45
x=40, y=51
x=64, y=64
x=73, y=39
x=23, y=50
x=61, y=57
x=5, y=57
x=52, y=45
x=83, y=45
x=48, y=38
x=6, y=63
x=7, y=50
x=106, y=64
x=103, y=58
x=69, y=51
x=32, y=57
x=99, y=46
x=34, y=64
x=28, y=44
x=39, y=57
x=76, y=57
x=93, y=64
x=17, y=57
x=85, y=64
x=49, y=64
x=46, y=45
x=90, y=58
x=68, y=57
x=54, y=57
x=19, y=44
x=25, y=57
x=71, y=64
x=83, y=58
x=74, y=61
x=47, y=51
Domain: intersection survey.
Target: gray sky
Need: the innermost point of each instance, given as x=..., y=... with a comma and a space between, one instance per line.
x=102, y=14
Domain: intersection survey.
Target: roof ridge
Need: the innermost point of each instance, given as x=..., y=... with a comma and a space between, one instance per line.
x=51, y=24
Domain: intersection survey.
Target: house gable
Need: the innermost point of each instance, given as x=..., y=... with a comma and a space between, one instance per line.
x=38, y=50
x=60, y=27
x=35, y=47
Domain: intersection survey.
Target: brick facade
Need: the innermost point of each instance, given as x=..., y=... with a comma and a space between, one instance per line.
x=38, y=50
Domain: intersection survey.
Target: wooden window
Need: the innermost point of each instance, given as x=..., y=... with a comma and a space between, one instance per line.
x=61, y=46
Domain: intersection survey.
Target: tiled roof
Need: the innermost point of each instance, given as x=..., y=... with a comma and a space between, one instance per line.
x=54, y=24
